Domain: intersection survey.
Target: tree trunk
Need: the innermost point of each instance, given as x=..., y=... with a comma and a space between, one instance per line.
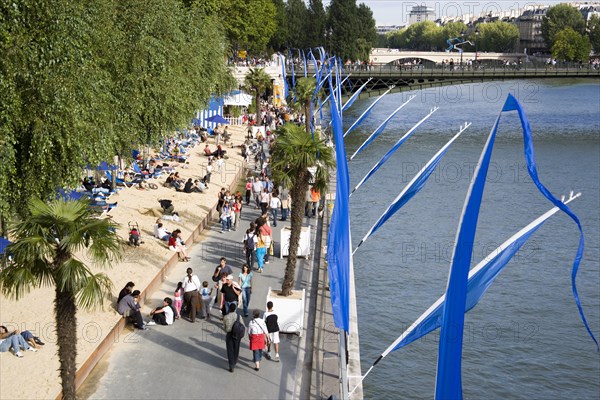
x=307, y=117
x=298, y=194
x=66, y=331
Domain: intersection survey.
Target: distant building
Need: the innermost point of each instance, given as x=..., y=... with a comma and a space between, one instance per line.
x=420, y=14
x=589, y=11
x=383, y=29
x=530, y=31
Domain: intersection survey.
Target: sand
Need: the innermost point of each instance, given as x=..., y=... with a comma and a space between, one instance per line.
x=36, y=375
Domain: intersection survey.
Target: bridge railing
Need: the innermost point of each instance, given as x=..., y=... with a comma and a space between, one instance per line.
x=561, y=68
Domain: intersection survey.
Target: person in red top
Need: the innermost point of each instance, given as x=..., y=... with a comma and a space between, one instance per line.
x=176, y=245
x=264, y=228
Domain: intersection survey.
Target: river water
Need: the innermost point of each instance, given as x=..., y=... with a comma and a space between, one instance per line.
x=524, y=339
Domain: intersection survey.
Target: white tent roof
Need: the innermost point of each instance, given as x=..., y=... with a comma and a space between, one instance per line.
x=238, y=99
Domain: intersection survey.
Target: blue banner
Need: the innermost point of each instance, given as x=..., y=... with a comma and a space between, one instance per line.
x=366, y=113
x=338, y=238
x=352, y=99
x=413, y=187
x=380, y=128
x=480, y=279
x=392, y=151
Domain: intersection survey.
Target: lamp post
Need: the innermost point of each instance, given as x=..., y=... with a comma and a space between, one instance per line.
x=462, y=36
x=477, y=35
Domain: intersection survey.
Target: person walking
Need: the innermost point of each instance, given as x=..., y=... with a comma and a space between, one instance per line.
x=284, y=196
x=231, y=292
x=261, y=250
x=275, y=206
x=232, y=343
x=265, y=200
x=257, y=189
x=191, y=285
x=206, y=295
x=257, y=333
x=245, y=282
x=250, y=245
x=270, y=319
x=248, y=191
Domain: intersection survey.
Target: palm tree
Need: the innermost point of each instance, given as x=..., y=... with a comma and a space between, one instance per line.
x=294, y=153
x=257, y=81
x=46, y=251
x=305, y=88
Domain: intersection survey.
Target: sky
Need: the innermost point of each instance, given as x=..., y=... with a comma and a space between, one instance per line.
x=395, y=12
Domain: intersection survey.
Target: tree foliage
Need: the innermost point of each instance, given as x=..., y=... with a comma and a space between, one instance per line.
x=249, y=24
x=257, y=81
x=316, y=25
x=497, y=36
x=347, y=24
x=558, y=18
x=279, y=41
x=594, y=32
x=571, y=46
x=297, y=17
x=81, y=83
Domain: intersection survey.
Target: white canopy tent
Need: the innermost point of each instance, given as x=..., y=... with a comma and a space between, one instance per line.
x=238, y=98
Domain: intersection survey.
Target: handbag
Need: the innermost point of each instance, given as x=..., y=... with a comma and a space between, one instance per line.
x=271, y=251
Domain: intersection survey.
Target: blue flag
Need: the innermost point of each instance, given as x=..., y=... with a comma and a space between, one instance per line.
x=338, y=238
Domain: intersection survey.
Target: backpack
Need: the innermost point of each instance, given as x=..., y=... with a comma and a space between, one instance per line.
x=250, y=241
x=237, y=330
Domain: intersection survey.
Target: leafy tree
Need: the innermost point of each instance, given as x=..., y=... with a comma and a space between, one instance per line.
x=558, y=18
x=594, y=32
x=46, y=253
x=279, y=41
x=249, y=24
x=316, y=24
x=382, y=41
x=366, y=28
x=294, y=153
x=297, y=17
x=55, y=113
x=571, y=46
x=342, y=24
x=497, y=36
x=257, y=81
x=421, y=36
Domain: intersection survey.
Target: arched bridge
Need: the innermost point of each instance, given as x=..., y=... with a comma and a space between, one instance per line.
x=387, y=56
x=415, y=77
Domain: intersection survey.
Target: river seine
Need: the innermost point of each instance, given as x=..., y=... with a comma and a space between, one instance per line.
x=525, y=339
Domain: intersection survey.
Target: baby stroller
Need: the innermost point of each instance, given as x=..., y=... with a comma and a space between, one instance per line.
x=135, y=236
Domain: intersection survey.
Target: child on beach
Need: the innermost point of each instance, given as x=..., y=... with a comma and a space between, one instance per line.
x=178, y=299
x=273, y=328
x=206, y=293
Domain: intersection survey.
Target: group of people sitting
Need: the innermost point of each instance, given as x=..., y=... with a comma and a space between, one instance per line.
x=189, y=186
x=173, y=239
x=128, y=305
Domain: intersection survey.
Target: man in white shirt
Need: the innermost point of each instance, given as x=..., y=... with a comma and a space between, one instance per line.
x=163, y=315
x=160, y=232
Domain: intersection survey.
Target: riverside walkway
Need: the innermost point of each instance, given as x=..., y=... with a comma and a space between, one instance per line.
x=188, y=360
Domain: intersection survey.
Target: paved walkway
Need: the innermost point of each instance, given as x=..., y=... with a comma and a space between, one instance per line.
x=189, y=360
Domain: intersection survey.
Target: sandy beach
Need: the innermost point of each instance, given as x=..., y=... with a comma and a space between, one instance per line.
x=36, y=375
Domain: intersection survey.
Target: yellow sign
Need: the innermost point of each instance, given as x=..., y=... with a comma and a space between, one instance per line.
x=242, y=54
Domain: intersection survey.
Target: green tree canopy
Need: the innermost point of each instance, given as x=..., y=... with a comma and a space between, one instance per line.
x=594, y=32
x=257, y=81
x=80, y=84
x=571, y=46
x=497, y=36
x=297, y=17
x=316, y=24
x=279, y=41
x=249, y=24
x=558, y=18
